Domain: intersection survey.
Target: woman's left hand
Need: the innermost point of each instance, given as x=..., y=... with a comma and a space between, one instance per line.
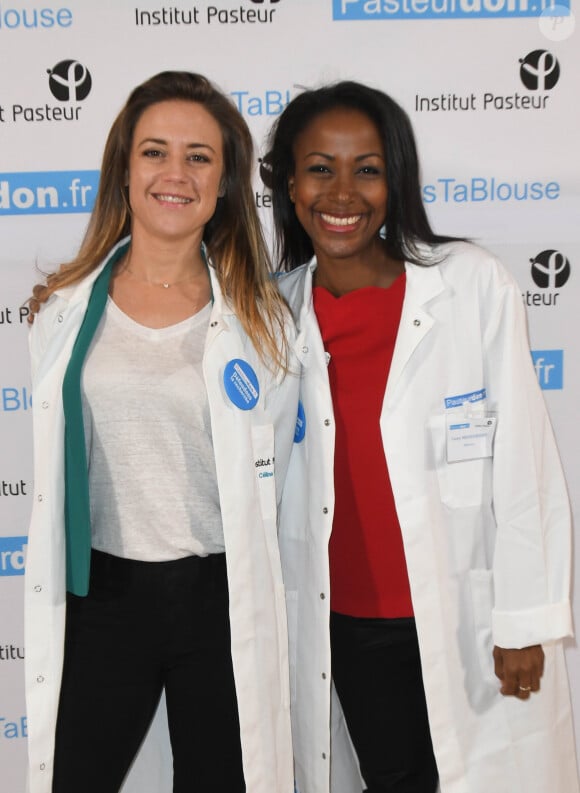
x=519, y=670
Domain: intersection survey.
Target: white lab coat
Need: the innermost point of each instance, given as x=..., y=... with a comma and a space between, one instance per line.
x=248, y=501
x=487, y=542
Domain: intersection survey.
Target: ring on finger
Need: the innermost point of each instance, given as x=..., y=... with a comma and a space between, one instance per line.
x=525, y=689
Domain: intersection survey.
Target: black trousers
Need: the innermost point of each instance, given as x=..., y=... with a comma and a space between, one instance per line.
x=377, y=674
x=145, y=627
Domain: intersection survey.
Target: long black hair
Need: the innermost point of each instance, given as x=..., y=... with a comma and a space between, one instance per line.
x=407, y=225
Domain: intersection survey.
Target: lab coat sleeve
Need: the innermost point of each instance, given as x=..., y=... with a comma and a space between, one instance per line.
x=532, y=556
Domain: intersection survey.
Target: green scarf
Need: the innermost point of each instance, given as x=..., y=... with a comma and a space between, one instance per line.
x=77, y=512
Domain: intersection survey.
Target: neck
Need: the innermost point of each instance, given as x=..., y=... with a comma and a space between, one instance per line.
x=159, y=261
x=340, y=276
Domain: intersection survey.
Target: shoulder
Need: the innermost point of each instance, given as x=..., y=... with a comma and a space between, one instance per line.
x=470, y=264
x=60, y=304
x=48, y=314
x=293, y=286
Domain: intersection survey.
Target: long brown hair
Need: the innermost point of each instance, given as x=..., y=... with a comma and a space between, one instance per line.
x=233, y=236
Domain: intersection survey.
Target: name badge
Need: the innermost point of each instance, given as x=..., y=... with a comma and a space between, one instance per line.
x=469, y=438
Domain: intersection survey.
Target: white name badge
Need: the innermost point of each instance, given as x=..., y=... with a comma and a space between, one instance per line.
x=469, y=438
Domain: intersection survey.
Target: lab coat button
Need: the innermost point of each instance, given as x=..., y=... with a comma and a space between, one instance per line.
x=213, y=324
x=325, y=510
x=40, y=497
x=40, y=679
x=322, y=596
x=324, y=675
x=42, y=766
x=327, y=422
x=60, y=318
x=305, y=349
x=45, y=405
x=416, y=322
x=38, y=588
x=324, y=755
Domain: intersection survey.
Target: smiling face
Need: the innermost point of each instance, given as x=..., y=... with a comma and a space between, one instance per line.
x=339, y=186
x=175, y=171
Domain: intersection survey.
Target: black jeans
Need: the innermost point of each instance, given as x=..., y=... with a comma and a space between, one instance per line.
x=145, y=627
x=377, y=675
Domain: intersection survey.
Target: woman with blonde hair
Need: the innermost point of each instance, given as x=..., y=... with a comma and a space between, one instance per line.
x=162, y=400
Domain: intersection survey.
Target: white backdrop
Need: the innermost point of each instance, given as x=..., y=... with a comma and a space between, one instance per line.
x=491, y=87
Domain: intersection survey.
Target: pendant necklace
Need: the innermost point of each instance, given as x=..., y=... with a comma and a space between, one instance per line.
x=164, y=284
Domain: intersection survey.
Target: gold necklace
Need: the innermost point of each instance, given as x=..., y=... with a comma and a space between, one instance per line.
x=164, y=284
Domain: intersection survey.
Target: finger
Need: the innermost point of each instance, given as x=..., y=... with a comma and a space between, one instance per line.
x=510, y=683
x=524, y=690
x=541, y=663
x=511, y=677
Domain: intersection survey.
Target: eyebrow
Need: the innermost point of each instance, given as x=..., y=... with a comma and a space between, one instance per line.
x=331, y=157
x=163, y=142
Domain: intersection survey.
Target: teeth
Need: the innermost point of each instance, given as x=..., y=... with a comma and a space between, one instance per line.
x=173, y=199
x=336, y=221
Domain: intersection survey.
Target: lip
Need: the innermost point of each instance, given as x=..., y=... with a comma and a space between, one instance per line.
x=340, y=223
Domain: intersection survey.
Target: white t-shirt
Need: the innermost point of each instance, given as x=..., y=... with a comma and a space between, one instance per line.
x=152, y=477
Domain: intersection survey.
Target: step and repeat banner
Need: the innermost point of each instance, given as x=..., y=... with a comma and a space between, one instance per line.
x=491, y=87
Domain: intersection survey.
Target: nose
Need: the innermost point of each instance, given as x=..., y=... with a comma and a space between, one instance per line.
x=175, y=167
x=343, y=187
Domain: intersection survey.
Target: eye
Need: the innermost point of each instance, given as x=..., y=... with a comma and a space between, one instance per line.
x=152, y=153
x=370, y=170
x=197, y=157
x=318, y=168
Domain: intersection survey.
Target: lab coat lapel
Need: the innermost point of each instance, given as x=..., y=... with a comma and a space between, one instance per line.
x=423, y=284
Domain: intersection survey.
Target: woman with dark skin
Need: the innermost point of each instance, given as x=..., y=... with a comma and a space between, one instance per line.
x=434, y=502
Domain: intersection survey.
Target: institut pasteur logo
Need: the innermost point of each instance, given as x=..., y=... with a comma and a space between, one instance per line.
x=538, y=72
x=69, y=81
x=69, y=84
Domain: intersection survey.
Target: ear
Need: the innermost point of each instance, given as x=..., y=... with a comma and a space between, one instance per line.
x=222, y=189
x=126, y=181
x=291, y=188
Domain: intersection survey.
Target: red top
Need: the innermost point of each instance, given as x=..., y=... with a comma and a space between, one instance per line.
x=368, y=572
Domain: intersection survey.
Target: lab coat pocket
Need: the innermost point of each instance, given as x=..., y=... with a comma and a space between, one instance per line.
x=461, y=484
x=481, y=587
x=263, y=451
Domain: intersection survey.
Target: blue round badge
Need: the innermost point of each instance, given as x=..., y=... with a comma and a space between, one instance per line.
x=300, y=430
x=241, y=384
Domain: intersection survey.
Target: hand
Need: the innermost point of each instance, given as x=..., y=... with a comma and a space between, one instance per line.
x=519, y=670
